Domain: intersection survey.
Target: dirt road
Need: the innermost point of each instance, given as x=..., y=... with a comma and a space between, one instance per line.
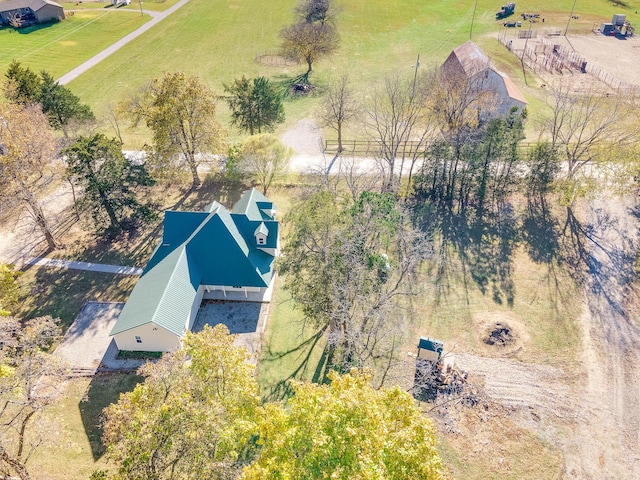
x=608, y=446
x=591, y=416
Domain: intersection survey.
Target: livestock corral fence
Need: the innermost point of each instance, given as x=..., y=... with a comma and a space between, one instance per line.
x=543, y=56
x=274, y=59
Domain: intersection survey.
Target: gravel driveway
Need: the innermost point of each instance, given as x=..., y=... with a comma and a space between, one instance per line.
x=87, y=345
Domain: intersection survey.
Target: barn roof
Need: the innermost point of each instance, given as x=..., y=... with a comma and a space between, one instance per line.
x=468, y=58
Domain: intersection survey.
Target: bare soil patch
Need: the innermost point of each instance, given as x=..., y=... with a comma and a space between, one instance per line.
x=610, y=62
x=500, y=333
x=585, y=418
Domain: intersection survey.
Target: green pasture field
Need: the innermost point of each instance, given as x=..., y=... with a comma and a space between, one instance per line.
x=220, y=39
x=59, y=47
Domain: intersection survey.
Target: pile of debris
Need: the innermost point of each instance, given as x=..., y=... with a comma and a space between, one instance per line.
x=435, y=374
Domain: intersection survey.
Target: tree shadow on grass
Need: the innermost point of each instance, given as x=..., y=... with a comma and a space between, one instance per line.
x=103, y=390
x=484, y=243
x=301, y=366
x=61, y=293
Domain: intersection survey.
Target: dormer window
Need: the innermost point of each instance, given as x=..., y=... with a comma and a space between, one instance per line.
x=261, y=234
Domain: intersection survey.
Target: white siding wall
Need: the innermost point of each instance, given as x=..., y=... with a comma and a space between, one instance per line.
x=195, y=307
x=154, y=339
x=502, y=101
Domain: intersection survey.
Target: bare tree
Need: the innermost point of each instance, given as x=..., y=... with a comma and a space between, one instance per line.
x=339, y=108
x=308, y=42
x=398, y=120
x=347, y=266
x=587, y=127
x=311, y=11
x=28, y=384
x=27, y=149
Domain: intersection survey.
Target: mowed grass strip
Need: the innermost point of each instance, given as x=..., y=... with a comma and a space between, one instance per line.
x=59, y=47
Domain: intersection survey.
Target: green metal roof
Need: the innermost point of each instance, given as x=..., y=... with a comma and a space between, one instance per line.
x=199, y=248
x=254, y=206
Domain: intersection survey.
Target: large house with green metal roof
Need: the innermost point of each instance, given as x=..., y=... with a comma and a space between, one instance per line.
x=214, y=254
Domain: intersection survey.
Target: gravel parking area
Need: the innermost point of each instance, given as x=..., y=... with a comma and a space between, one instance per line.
x=87, y=345
x=246, y=320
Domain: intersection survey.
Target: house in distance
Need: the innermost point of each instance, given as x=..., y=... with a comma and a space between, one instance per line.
x=21, y=13
x=215, y=254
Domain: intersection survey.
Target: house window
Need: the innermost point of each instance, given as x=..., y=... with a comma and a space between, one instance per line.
x=138, y=339
x=262, y=240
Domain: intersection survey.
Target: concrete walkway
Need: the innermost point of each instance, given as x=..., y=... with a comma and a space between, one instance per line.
x=88, y=266
x=79, y=70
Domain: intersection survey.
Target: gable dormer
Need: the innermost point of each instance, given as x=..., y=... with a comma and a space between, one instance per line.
x=261, y=234
x=268, y=208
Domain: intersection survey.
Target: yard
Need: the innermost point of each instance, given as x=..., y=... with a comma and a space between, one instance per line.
x=572, y=368
x=59, y=47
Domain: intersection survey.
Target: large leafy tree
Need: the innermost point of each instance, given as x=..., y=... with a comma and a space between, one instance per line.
x=308, y=42
x=27, y=148
x=180, y=111
x=22, y=85
x=191, y=418
x=255, y=104
x=110, y=182
x=347, y=265
x=346, y=430
x=265, y=159
x=60, y=105
x=28, y=385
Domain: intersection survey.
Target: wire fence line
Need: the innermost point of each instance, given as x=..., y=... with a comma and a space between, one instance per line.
x=544, y=56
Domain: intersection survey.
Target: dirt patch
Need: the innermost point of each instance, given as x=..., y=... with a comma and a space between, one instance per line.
x=584, y=61
x=21, y=239
x=305, y=137
x=500, y=333
x=589, y=412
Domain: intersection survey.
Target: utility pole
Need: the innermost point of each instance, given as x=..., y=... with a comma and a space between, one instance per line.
x=524, y=73
x=570, y=17
x=141, y=12
x=473, y=17
x=415, y=75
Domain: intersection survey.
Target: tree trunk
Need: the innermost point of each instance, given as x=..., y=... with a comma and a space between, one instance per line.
x=16, y=465
x=40, y=219
x=113, y=218
x=194, y=172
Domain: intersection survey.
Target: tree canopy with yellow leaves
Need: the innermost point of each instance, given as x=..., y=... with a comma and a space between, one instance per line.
x=346, y=430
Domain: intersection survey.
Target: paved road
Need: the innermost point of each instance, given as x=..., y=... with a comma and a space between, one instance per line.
x=92, y=267
x=79, y=70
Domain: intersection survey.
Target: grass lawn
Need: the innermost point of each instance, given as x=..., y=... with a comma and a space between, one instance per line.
x=219, y=40
x=153, y=5
x=289, y=351
x=61, y=293
x=59, y=47
x=73, y=448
